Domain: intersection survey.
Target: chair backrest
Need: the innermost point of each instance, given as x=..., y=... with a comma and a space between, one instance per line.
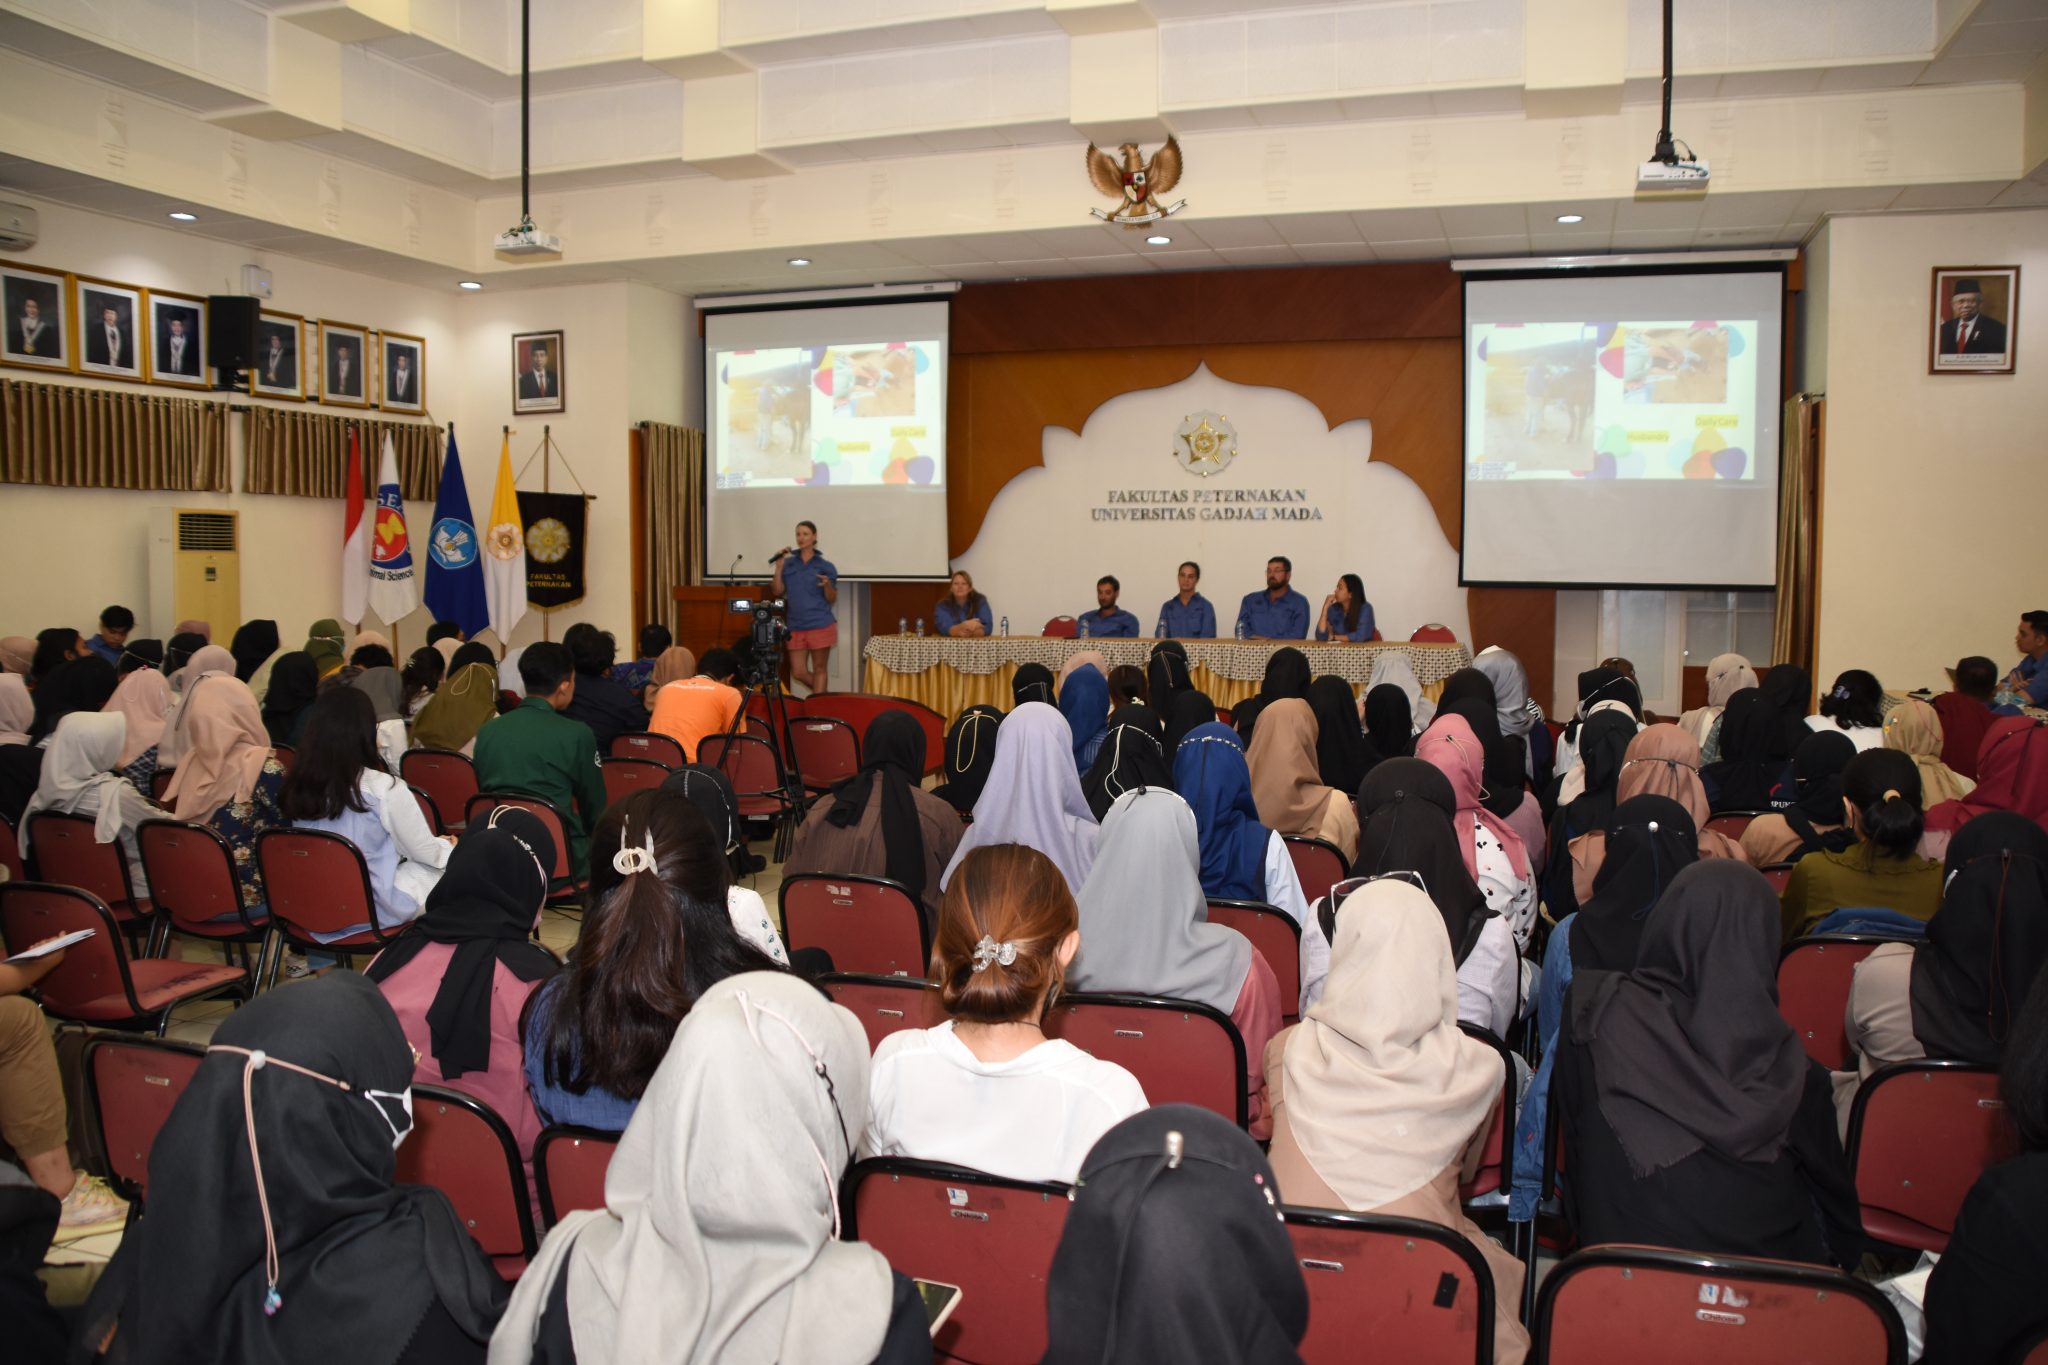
x=93, y=981
x=160, y=782
x=1615, y=1304
x=191, y=875
x=134, y=1084
x=1433, y=634
x=315, y=882
x=1278, y=940
x=444, y=774
x=1317, y=862
x=827, y=750
x=1181, y=1051
x=1420, y=1293
x=885, y=1004
x=479, y=810
x=859, y=709
x=10, y=852
x=568, y=1169
x=1814, y=977
x=287, y=756
x=1732, y=822
x=662, y=749
x=1920, y=1133
x=1061, y=628
x=867, y=924
x=63, y=849
x=462, y=1148
x=1492, y=1176
x=430, y=810
x=1779, y=875
x=2032, y=1350
x=624, y=776
x=748, y=762
x=994, y=1238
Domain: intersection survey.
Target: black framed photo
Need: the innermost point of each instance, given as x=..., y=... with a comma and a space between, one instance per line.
x=112, y=331
x=1975, y=321
x=537, y=383
x=36, y=332
x=402, y=372
x=177, y=339
x=344, y=372
x=277, y=371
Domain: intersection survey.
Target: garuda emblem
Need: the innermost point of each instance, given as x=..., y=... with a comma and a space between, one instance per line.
x=1140, y=185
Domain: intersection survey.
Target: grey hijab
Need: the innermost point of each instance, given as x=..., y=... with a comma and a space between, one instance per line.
x=1144, y=919
x=1516, y=709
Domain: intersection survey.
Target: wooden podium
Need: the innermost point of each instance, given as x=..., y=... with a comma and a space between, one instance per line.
x=702, y=619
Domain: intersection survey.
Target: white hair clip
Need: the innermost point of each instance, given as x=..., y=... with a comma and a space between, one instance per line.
x=988, y=950
x=629, y=859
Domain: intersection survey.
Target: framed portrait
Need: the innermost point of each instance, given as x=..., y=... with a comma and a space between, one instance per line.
x=36, y=331
x=402, y=364
x=177, y=339
x=277, y=371
x=1975, y=327
x=344, y=377
x=113, y=330
x=537, y=372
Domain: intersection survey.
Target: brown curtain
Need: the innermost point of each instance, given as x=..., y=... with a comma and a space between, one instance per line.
x=304, y=454
x=75, y=437
x=1792, y=633
x=674, y=508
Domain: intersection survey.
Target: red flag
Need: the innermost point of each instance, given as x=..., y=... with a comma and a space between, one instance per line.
x=355, y=537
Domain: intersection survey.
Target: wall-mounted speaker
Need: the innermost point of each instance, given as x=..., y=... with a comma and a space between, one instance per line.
x=231, y=331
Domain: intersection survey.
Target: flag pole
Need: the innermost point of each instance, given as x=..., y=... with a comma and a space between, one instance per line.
x=503, y=648
x=547, y=457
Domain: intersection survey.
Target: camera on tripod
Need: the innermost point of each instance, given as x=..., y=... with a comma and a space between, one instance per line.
x=766, y=634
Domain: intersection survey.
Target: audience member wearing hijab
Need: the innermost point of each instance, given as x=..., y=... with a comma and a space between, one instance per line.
x=1288, y=675
x=1389, y=726
x=460, y=706
x=1855, y=706
x=1241, y=859
x=1167, y=675
x=1727, y=674
x=206, y=659
x=1145, y=929
x=671, y=665
x=1598, y=687
x=193, y=626
x=1787, y=689
x=717, y=1240
x=970, y=753
x=81, y=685
x=880, y=822
x=1082, y=658
x=653, y=944
x=78, y=778
x=1913, y=728
x=1032, y=682
x=209, y=661
x=324, y=642
x=1084, y=702
x=1007, y=935
x=1133, y=755
x=1693, y=1116
x=178, y=652
x=305, y=1147
x=1882, y=870
x=1342, y=754
x=1173, y=1250
x=228, y=780
x=1954, y=995
x=1504, y=789
x=1519, y=714
x=143, y=699
x=386, y=691
x=1291, y=795
x=141, y=654
x=2012, y=775
x=1184, y=714
x=1493, y=853
x=294, y=683
x=17, y=709
x=17, y=654
x=1380, y=1102
x=254, y=644
x=1750, y=767
x=1662, y=760
x=1033, y=796
x=1813, y=823
x=1391, y=668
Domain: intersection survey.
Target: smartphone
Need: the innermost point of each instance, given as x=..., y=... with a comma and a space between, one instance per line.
x=939, y=1302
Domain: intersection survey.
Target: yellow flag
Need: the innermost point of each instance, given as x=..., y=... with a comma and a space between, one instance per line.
x=505, y=552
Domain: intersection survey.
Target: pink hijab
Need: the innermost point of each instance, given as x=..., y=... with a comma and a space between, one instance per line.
x=17, y=709
x=144, y=697
x=1450, y=745
x=1084, y=656
x=203, y=629
x=228, y=748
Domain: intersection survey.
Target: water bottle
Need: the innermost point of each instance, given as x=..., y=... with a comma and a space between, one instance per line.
x=920, y=627
x=1004, y=628
x=1240, y=629
x=1159, y=631
x=903, y=625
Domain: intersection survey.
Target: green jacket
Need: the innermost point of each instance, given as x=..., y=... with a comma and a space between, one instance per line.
x=536, y=751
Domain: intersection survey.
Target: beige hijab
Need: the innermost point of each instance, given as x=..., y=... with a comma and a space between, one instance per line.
x=1383, y=1089
x=16, y=653
x=1287, y=786
x=1084, y=656
x=1662, y=760
x=674, y=665
x=17, y=709
x=365, y=637
x=1914, y=729
x=228, y=748
x=1727, y=674
x=144, y=698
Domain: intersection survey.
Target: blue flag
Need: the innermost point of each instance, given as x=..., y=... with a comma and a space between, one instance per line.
x=455, y=576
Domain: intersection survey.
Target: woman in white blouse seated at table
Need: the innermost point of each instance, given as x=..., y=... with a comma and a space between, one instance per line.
x=963, y=611
x=987, y=1089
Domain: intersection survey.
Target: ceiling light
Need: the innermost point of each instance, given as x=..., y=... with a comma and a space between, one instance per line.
x=799, y=260
x=1158, y=239
x=469, y=284
x=1571, y=217
x=185, y=217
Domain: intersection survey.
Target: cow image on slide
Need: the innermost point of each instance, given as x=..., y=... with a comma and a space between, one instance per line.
x=1573, y=387
x=782, y=404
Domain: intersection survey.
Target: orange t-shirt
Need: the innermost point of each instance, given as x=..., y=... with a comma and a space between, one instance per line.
x=690, y=709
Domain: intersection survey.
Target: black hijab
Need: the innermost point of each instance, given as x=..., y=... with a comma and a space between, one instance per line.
x=1603, y=684
x=891, y=762
x=1287, y=675
x=1504, y=775
x=485, y=904
x=1650, y=840
x=294, y=683
x=1184, y=713
x=1133, y=755
x=1603, y=748
x=1817, y=779
x=1033, y=682
x=140, y=654
x=180, y=650
x=472, y=652
x=1785, y=691
x=970, y=753
x=1167, y=676
x=1748, y=768
x=254, y=642
x=1689, y=1051
x=85, y=684
x=1390, y=722
x=1342, y=755
x=711, y=792
x=1986, y=945
x=1174, y=1250
x=363, y=1260
x=1407, y=805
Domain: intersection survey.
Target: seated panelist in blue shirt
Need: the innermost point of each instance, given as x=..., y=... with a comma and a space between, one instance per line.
x=2030, y=679
x=1346, y=613
x=1108, y=621
x=963, y=612
x=1279, y=612
x=1187, y=615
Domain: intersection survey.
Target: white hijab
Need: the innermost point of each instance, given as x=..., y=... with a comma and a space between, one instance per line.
x=17, y=709
x=78, y=776
x=1727, y=674
x=1033, y=796
x=1392, y=666
x=508, y=672
x=718, y=1240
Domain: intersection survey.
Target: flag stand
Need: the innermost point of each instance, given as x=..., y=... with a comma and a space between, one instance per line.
x=547, y=458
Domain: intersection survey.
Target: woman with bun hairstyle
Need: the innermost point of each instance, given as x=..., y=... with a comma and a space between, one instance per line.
x=1883, y=868
x=987, y=1089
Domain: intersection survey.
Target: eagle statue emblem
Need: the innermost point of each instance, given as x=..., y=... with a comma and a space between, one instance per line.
x=1140, y=185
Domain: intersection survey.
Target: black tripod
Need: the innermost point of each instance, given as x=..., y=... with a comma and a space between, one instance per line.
x=764, y=679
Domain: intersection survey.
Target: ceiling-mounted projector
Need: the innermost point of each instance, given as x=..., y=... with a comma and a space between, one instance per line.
x=1653, y=176
x=527, y=240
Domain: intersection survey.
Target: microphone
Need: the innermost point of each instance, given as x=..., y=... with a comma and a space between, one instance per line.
x=734, y=571
x=776, y=558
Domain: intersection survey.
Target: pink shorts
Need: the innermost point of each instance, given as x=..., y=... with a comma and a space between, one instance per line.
x=824, y=637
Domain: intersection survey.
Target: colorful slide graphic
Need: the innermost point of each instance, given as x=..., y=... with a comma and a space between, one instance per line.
x=852, y=414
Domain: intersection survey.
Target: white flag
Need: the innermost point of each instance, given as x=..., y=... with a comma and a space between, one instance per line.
x=505, y=553
x=355, y=536
x=394, y=586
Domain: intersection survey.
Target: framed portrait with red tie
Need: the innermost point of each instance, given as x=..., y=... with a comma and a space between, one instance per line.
x=177, y=339
x=537, y=372
x=1975, y=328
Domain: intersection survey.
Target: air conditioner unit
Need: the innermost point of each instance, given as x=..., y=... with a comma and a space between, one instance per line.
x=195, y=568
x=19, y=226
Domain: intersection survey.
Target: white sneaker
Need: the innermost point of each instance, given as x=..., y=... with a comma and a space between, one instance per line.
x=296, y=967
x=90, y=1205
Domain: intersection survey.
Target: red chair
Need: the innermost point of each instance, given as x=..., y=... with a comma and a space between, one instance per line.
x=316, y=882
x=429, y=811
x=568, y=1169
x=1489, y=1183
x=566, y=884
x=859, y=710
x=885, y=1004
x=868, y=924
x=463, y=1149
x=624, y=776
x=826, y=749
x=2031, y=1351
x=646, y=744
x=98, y=982
x=1814, y=976
x=444, y=774
x=1181, y=1051
x=758, y=782
x=994, y=1238
x=159, y=783
x=1614, y=1304
x=1317, y=862
x=1061, y=628
x=10, y=852
x=63, y=849
x=287, y=756
x=1779, y=875
x=1920, y=1133
x=1419, y=1293
x=1733, y=822
x=1434, y=633
x=191, y=872
x=134, y=1083
x=1278, y=940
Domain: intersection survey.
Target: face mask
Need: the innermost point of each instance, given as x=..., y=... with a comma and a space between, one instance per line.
x=389, y=1104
